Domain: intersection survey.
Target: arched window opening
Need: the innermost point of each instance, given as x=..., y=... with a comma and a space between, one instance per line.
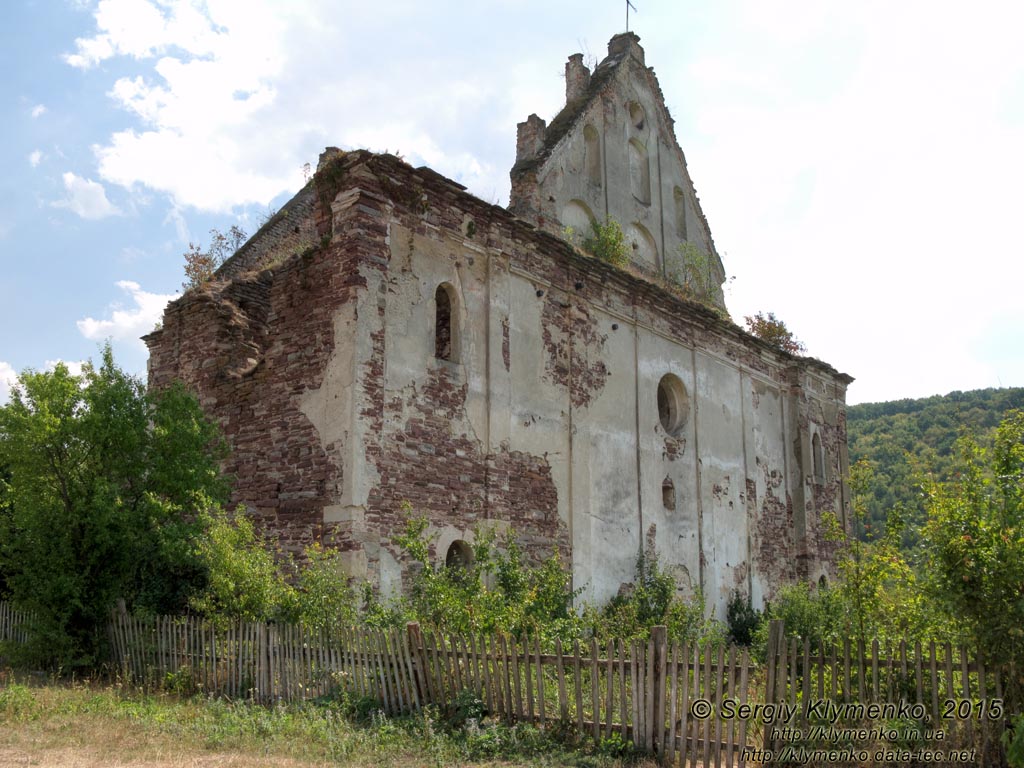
x=680, y=201
x=673, y=404
x=645, y=250
x=445, y=327
x=592, y=154
x=636, y=115
x=819, y=459
x=576, y=221
x=639, y=172
x=668, y=494
x=823, y=582
x=460, y=555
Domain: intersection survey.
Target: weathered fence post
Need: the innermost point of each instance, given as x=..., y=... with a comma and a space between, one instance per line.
x=419, y=660
x=776, y=638
x=656, y=692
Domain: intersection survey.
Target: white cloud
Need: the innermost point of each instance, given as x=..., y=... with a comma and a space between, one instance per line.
x=7, y=378
x=139, y=29
x=233, y=99
x=38, y=110
x=74, y=366
x=35, y=158
x=86, y=198
x=127, y=323
x=863, y=183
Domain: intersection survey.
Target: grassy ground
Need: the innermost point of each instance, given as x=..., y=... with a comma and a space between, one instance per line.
x=44, y=723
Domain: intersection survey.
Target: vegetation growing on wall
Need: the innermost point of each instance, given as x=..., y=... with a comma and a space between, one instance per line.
x=696, y=274
x=770, y=329
x=200, y=265
x=608, y=243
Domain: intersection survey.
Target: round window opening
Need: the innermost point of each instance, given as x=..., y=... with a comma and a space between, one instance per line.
x=673, y=404
x=460, y=555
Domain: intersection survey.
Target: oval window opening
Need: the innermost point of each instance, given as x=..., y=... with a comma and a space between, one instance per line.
x=673, y=404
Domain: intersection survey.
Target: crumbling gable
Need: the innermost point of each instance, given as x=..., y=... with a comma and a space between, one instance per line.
x=611, y=154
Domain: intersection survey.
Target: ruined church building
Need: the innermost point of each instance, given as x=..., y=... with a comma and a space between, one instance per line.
x=387, y=337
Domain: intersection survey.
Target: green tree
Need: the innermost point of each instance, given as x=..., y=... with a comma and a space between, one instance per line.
x=103, y=483
x=974, y=541
x=877, y=585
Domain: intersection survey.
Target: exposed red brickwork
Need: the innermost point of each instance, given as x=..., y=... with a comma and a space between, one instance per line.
x=216, y=339
x=574, y=349
x=251, y=348
x=774, y=535
x=444, y=474
x=674, y=447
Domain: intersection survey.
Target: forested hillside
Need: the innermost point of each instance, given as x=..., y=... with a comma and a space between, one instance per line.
x=902, y=438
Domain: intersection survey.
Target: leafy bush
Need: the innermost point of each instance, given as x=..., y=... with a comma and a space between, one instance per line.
x=243, y=580
x=652, y=601
x=324, y=598
x=742, y=619
x=696, y=274
x=815, y=614
x=608, y=243
x=201, y=265
x=498, y=593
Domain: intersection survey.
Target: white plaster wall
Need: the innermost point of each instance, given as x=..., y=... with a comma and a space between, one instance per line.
x=677, y=531
x=608, y=459
x=722, y=478
x=539, y=412
x=606, y=524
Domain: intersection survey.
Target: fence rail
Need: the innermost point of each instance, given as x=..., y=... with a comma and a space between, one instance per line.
x=680, y=702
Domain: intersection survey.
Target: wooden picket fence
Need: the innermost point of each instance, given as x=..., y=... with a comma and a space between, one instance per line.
x=618, y=689
x=13, y=624
x=670, y=700
x=947, y=686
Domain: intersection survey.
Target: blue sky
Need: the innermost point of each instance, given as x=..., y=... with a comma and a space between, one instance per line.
x=859, y=163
